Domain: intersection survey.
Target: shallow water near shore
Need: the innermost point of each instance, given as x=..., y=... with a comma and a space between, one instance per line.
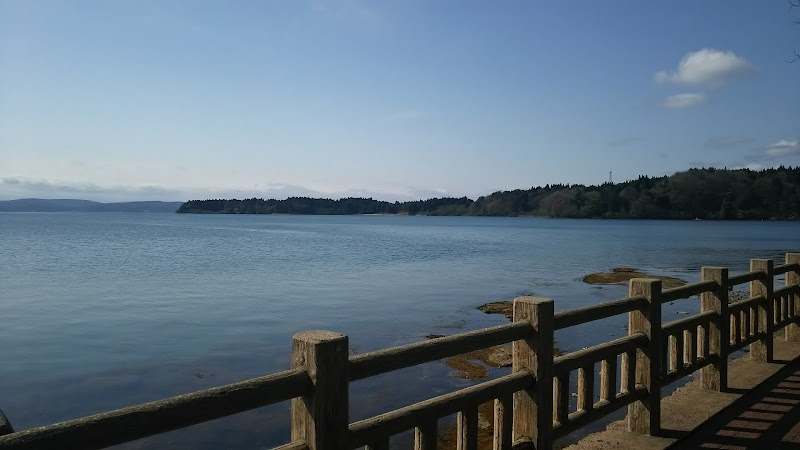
x=105, y=310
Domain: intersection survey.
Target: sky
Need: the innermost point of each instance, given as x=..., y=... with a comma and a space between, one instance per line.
x=176, y=100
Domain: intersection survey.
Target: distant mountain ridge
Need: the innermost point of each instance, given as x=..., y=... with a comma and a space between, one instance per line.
x=74, y=205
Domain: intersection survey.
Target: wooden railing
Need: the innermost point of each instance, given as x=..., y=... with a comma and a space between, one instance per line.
x=531, y=404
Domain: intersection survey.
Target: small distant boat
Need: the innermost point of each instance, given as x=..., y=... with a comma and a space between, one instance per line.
x=697, y=218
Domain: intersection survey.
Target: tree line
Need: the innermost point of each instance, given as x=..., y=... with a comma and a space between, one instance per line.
x=706, y=193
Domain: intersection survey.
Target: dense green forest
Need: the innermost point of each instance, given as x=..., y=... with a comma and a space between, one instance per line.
x=696, y=193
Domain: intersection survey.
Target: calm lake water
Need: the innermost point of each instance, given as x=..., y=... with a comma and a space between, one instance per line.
x=105, y=310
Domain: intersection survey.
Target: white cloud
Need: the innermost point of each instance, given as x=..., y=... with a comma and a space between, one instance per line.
x=706, y=67
x=682, y=101
x=784, y=148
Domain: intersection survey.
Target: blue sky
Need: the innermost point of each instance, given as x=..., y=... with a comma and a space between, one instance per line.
x=171, y=100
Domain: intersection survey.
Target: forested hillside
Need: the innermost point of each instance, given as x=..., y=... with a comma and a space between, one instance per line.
x=696, y=193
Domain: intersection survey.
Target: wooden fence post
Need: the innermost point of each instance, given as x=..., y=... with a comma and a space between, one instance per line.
x=320, y=418
x=644, y=416
x=533, y=408
x=793, y=279
x=762, y=350
x=715, y=377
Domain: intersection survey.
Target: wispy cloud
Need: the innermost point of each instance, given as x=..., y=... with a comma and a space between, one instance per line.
x=683, y=101
x=727, y=142
x=706, y=67
x=19, y=187
x=783, y=148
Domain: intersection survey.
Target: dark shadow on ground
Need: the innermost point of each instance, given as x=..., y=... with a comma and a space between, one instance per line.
x=767, y=417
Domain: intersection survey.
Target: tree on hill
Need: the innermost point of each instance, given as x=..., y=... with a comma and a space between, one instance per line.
x=696, y=193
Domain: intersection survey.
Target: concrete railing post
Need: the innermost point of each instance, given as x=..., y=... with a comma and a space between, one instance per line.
x=533, y=408
x=320, y=418
x=644, y=416
x=715, y=377
x=762, y=350
x=793, y=279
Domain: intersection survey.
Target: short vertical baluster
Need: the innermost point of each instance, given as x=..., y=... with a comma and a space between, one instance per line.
x=608, y=379
x=793, y=279
x=746, y=322
x=762, y=350
x=561, y=399
x=586, y=388
x=467, y=428
x=502, y=423
x=426, y=435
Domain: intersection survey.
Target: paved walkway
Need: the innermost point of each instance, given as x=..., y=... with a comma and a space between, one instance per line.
x=761, y=410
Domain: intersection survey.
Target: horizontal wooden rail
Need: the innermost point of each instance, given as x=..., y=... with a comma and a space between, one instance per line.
x=688, y=369
x=147, y=419
x=786, y=290
x=747, y=277
x=580, y=419
x=784, y=322
x=747, y=341
x=784, y=268
x=364, y=432
x=298, y=445
x=566, y=319
x=381, y=361
x=689, y=322
x=581, y=358
x=752, y=302
x=688, y=290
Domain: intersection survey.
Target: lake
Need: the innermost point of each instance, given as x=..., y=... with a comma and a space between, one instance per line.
x=104, y=310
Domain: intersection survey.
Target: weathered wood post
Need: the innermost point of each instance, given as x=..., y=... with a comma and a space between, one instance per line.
x=762, y=350
x=533, y=408
x=793, y=279
x=715, y=377
x=5, y=425
x=644, y=416
x=320, y=418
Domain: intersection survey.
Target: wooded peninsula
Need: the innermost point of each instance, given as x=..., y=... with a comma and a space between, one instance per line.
x=708, y=193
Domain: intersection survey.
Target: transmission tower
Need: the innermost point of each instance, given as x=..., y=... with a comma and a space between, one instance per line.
x=610, y=178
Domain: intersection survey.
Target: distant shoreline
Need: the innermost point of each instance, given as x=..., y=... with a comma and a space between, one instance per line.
x=521, y=216
x=76, y=205
x=695, y=194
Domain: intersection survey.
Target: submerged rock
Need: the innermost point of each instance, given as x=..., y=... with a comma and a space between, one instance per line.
x=620, y=275
x=475, y=365
x=503, y=307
